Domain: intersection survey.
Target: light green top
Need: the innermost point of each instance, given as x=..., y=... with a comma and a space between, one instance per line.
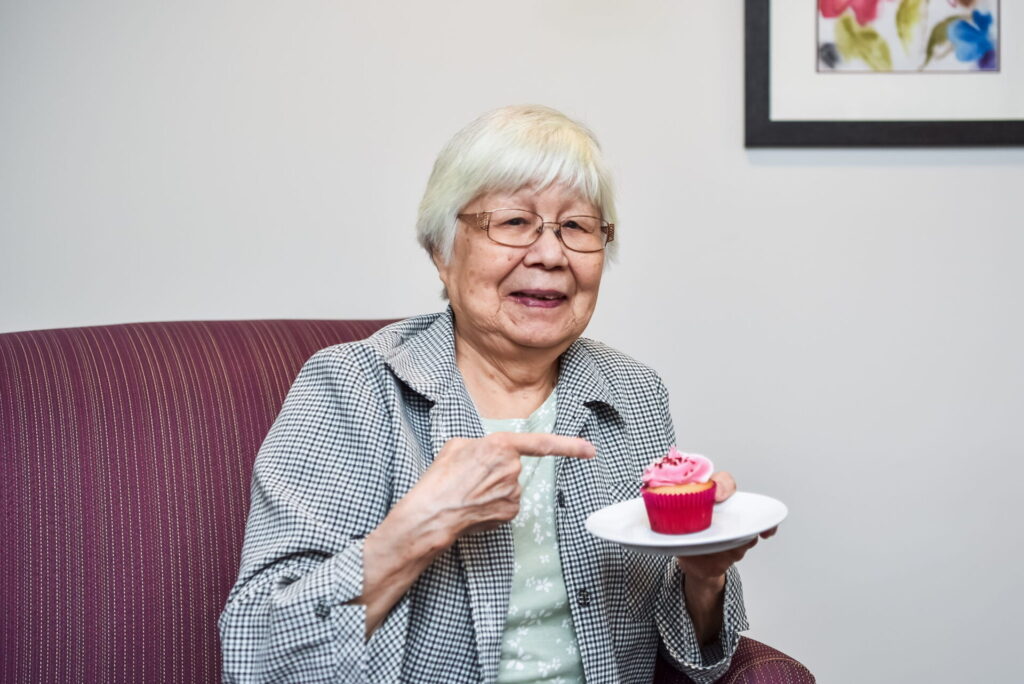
x=539, y=643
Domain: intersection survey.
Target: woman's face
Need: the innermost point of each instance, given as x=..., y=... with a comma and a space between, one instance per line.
x=540, y=296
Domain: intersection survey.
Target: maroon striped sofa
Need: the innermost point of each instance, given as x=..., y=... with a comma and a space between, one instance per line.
x=124, y=485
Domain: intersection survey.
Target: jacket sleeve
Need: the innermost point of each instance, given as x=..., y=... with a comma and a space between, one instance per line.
x=678, y=637
x=320, y=484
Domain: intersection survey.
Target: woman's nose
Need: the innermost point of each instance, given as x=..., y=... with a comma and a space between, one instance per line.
x=548, y=249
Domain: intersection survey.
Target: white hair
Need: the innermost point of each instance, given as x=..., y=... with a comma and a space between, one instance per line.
x=505, y=150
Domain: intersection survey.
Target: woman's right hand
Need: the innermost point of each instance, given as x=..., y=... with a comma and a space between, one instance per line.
x=472, y=485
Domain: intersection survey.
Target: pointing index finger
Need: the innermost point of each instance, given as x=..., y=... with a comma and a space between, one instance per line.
x=542, y=444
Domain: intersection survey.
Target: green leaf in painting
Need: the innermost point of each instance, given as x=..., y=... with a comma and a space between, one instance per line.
x=909, y=15
x=862, y=42
x=940, y=36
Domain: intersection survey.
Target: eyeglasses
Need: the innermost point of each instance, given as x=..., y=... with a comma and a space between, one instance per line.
x=521, y=228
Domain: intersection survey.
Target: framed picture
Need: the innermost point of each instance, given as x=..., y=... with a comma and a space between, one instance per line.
x=843, y=73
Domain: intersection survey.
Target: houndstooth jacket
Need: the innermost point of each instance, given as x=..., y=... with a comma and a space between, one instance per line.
x=359, y=426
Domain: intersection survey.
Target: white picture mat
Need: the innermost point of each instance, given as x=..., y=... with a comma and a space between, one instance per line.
x=800, y=93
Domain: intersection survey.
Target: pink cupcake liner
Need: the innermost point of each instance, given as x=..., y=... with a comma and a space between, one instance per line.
x=680, y=513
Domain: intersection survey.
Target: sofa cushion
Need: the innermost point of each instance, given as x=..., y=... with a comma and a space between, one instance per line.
x=124, y=488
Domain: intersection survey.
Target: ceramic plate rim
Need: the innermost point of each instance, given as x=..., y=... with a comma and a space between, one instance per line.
x=715, y=538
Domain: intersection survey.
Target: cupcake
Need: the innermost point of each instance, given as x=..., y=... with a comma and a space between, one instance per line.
x=679, y=493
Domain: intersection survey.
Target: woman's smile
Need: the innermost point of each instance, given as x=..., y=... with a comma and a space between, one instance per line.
x=541, y=299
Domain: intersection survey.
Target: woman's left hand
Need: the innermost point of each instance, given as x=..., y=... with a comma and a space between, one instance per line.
x=712, y=566
x=704, y=576
x=725, y=486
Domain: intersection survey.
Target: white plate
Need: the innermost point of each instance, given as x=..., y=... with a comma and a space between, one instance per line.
x=735, y=522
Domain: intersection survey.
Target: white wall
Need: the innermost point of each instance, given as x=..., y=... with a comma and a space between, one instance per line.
x=840, y=328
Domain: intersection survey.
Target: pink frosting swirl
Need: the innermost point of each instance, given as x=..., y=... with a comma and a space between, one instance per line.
x=675, y=468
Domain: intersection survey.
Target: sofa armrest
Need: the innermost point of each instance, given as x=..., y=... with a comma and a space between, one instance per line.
x=753, y=663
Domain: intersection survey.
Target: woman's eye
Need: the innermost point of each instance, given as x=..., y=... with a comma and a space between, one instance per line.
x=574, y=225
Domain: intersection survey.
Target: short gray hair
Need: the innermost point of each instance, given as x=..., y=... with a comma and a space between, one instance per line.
x=505, y=150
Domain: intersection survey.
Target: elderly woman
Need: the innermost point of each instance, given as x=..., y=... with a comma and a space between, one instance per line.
x=418, y=507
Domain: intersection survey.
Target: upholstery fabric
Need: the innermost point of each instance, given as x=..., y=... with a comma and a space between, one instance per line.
x=753, y=663
x=127, y=456
x=125, y=460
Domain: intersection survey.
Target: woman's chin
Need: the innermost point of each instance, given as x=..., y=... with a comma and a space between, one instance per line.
x=544, y=335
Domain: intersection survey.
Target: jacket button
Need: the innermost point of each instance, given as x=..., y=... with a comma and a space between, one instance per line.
x=323, y=609
x=583, y=597
x=560, y=497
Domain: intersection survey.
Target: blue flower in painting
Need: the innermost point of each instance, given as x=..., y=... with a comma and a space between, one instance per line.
x=988, y=62
x=972, y=40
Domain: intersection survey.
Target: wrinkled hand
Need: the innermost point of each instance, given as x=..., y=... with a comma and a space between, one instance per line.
x=473, y=484
x=710, y=568
x=704, y=576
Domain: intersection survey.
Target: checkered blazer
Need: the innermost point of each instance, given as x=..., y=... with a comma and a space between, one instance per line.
x=360, y=425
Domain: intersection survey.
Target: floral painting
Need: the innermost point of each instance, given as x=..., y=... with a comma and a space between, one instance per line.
x=938, y=36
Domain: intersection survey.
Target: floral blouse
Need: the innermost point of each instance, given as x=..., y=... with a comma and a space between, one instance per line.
x=539, y=643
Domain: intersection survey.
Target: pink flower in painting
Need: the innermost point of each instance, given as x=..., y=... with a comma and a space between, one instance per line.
x=865, y=11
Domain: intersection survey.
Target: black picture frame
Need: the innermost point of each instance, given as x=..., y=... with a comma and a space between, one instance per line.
x=761, y=131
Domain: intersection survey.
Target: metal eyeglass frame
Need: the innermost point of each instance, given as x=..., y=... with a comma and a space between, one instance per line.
x=483, y=219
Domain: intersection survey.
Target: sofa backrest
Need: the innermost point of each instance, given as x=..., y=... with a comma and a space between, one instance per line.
x=125, y=458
